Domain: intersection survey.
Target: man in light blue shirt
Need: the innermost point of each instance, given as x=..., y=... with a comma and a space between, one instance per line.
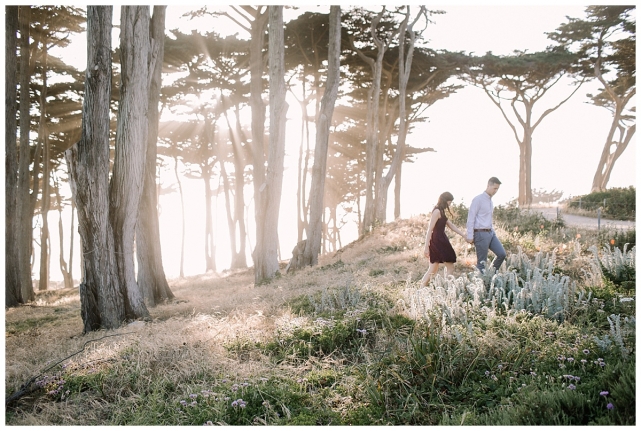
x=480, y=231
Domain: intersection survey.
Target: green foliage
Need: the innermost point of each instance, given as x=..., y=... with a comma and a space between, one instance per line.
x=459, y=214
x=264, y=401
x=324, y=338
x=375, y=272
x=617, y=266
x=20, y=326
x=619, y=238
x=615, y=203
x=513, y=219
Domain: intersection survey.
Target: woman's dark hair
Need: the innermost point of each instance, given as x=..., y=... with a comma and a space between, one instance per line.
x=443, y=200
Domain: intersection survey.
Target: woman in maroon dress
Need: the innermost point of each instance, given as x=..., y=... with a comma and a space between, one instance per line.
x=437, y=246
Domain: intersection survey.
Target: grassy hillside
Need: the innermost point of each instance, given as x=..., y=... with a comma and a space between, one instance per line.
x=549, y=340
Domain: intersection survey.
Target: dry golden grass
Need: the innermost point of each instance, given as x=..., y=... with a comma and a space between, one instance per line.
x=210, y=311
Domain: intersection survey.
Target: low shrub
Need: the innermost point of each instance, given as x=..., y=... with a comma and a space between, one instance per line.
x=616, y=265
x=616, y=203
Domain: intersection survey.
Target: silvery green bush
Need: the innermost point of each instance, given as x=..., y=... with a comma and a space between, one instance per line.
x=616, y=265
x=526, y=285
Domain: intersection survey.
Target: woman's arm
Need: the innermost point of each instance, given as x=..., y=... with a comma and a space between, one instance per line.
x=455, y=229
x=436, y=214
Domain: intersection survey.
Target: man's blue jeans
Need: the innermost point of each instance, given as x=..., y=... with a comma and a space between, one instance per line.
x=484, y=241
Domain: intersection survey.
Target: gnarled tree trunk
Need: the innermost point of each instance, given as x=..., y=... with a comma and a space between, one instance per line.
x=101, y=299
x=11, y=256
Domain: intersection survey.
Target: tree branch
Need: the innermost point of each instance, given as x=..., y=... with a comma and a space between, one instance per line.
x=548, y=111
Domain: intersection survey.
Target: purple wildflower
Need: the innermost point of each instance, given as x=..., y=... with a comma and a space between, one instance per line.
x=610, y=406
x=586, y=351
x=604, y=393
x=571, y=387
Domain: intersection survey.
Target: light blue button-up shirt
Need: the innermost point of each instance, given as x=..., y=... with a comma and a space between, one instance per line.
x=480, y=214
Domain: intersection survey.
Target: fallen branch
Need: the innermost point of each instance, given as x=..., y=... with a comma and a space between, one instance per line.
x=26, y=387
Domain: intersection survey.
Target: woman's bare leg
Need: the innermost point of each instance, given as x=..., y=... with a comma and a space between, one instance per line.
x=449, y=268
x=429, y=274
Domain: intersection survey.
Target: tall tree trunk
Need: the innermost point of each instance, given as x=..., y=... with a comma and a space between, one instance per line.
x=397, y=192
x=231, y=226
x=372, y=141
x=64, y=269
x=182, y=213
x=302, y=203
x=131, y=148
x=71, y=237
x=303, y=165
x=525, y=168
x=12, y=255
x=257, y=41
x=266, y=255
x=43, y=282
x=323, y=124
x=101, y=299
x=23, y=198
x=240, y=260
x=235, y=218
x=210, y=245
x=404, y=69
x=151, y=274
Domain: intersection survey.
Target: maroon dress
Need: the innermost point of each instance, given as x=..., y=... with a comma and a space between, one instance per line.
x=440, y=248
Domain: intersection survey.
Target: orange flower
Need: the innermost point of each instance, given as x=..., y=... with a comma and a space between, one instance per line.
x=612, y=241
x=578, y=235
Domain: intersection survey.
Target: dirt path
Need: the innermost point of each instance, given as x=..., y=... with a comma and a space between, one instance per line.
x=581, y=221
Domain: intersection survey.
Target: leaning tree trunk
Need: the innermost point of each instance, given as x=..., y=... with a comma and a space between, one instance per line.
x=131, y=146
x=151, y=274
x=101, y=299
x=319, y=170
x=23, y=199
x=609, y=157
x=267, y=228
x=11, y=256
